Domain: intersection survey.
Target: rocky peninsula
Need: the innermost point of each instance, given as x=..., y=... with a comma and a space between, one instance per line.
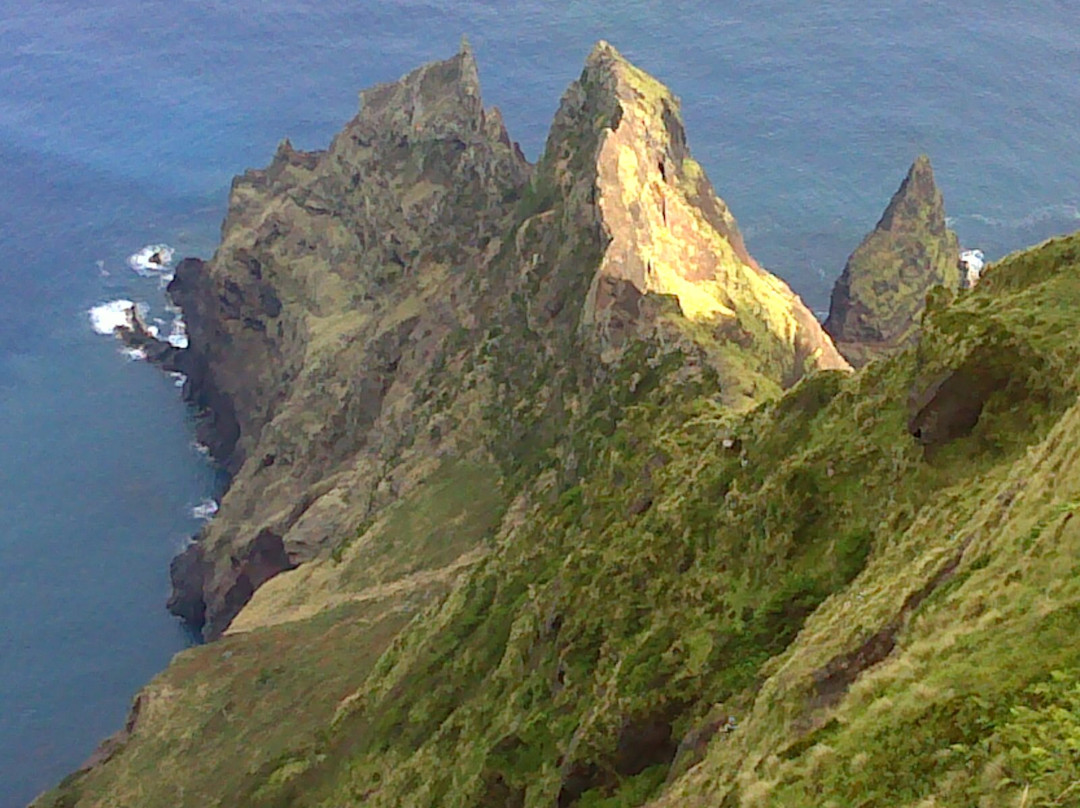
x=545, y=493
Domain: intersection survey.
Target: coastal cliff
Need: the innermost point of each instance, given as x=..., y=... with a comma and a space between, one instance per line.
x=340, y=277
x=330, y=332
x=546, y=493
x=877, y=301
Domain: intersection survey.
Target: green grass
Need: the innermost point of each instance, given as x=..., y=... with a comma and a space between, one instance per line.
x=240, y=715
x=453, y=511
x=656, y=559
x=677, y=573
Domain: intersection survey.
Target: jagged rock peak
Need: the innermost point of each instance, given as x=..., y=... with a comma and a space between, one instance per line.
x=879, y=296
x=350, y=265
x=429, y=98
x=918, y=202
x=668, y=233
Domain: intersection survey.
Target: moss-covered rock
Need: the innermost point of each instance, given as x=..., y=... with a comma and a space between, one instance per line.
x=880, y=295
x=316, y=329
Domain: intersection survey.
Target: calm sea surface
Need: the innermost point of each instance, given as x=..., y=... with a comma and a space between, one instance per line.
x=122, y=122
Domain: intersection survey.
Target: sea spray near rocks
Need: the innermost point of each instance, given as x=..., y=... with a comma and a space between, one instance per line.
x=105, y=318
x=205, y=510
x=152, y=259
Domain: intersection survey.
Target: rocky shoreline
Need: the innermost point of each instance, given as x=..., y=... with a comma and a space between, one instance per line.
x=216, y=428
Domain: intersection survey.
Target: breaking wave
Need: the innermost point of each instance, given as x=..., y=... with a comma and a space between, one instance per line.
x=205, y=510
x=105, y=318
x=153, y=259
x=178, y=337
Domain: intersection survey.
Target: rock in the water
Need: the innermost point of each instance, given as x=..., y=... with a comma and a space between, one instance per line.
x=878, y=299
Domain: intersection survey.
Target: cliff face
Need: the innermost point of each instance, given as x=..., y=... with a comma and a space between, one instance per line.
x=577, y=545
x=339, y=277
x=333, y=331
x=671, y=235
x=882, y=291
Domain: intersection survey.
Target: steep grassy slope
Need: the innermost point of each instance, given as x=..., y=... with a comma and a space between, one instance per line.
x=656, y=599
x=803, y=605
x=946, y=674
x=638, y=573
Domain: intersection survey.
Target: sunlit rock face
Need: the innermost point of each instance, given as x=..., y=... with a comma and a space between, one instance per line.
x=669, y=232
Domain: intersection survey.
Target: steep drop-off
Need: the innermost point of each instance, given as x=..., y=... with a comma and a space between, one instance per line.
x=880, y=295
x=335, y=335
x=340, y=277
x=615, y=563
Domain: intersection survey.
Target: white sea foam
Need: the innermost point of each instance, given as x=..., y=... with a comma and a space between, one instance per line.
x=152, y=259
x=107, y=317
x=973, y=262
x=205, y=510
x=178, y=337
x=134, y=354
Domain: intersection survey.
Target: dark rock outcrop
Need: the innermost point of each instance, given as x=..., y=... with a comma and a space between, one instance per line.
x=187, y=572
x=339, y=275
x=878, y=299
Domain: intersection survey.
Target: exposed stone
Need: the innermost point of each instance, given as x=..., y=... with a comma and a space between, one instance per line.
x=669, y=234
x=353, y=288
x=878, y=299
x=339, y=275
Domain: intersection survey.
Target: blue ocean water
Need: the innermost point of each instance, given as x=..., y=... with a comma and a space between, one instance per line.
x=122, y=122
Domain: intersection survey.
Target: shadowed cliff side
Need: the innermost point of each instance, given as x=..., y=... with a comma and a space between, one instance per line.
x=339, y=277
x=411, y=294
x=878, y=299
